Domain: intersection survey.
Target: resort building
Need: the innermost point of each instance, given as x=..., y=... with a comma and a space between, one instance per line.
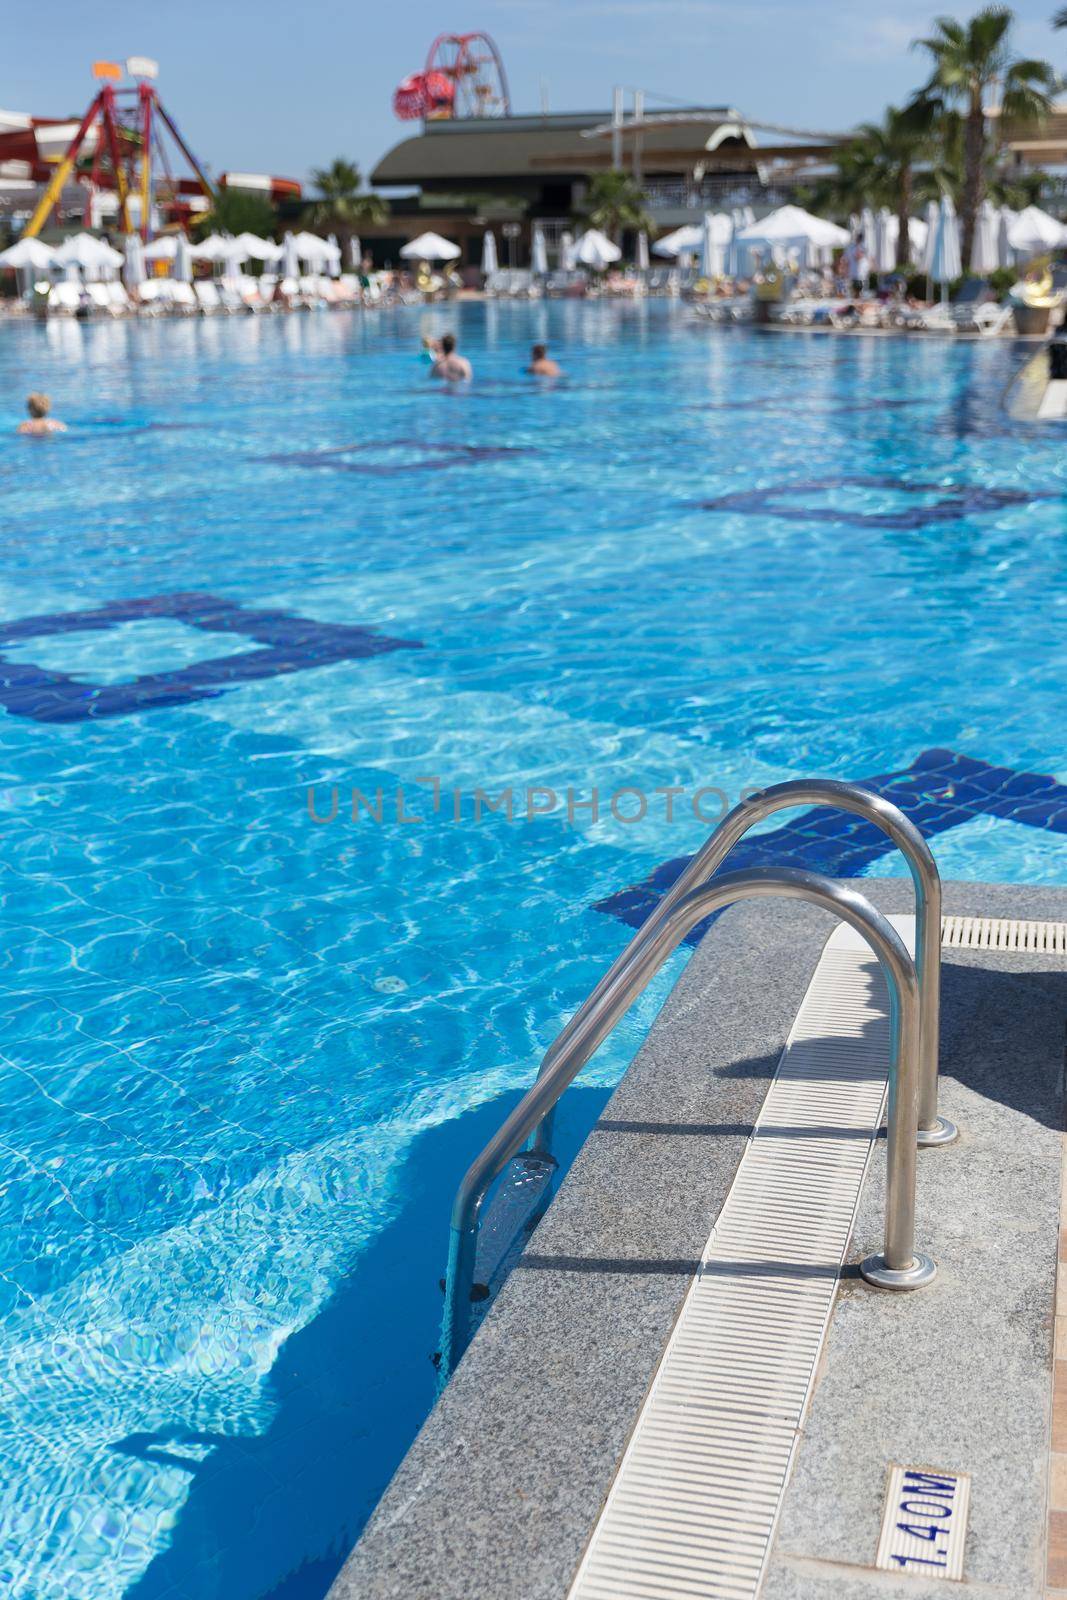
x=457, y=174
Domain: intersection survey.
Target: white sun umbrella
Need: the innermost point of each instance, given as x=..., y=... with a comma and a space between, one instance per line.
x=29, y=253
x=736, y=260
x=917, y=234
x=290, y=262
x=355, y=252
x=642, y=252
x=886, y=233
x=234, y=259
x=72, y=273
x=165, y=248
x=869, y=231
x=333, y=256
x=93, y=256
x=311, y=248
x=182, y=269
x=568, y=255
x=538, y=252
x=1034, y=232
x=711, y=249
x=594, y=249
x=257, y=248
x=110, y=263
x=489, y=256
x=80, y=248
x=213, y=248
x=680, y=242
x=133, y=266
x=927, y=260
x=945, y=264
x=985, y=252
x=869, y=237
x=1004, y=224
x=430, y=247
x=791, y=228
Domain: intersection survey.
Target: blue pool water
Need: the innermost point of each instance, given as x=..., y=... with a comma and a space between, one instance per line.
x=247, y=1054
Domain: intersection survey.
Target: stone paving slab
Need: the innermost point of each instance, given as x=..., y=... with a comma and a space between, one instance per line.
x=956, y=1377
x=502, y=1486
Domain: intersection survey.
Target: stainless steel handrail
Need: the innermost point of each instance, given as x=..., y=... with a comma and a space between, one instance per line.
x=933, y=1129
x=898, y=1267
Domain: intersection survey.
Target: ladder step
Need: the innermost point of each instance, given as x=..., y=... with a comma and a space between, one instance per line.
x=513, y=1212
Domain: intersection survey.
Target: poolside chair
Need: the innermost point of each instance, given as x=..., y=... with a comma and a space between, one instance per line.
x=152, y=297
x=248, y=289
x=183, y=299
x=118, y=298
x=66, y=298
x=101, y=300
x=308, y=289
x=230, y=297
x=987, y=318
x=207, y=297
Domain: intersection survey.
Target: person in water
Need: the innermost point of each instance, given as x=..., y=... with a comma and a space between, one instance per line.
x=448, y=365
x=40, y=424
x=542, y=364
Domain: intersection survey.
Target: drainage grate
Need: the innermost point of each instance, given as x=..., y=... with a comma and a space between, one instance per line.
x=695, y=1500
x=1004, y=933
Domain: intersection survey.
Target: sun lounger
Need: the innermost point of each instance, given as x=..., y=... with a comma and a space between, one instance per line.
x=101, y=300
x=308, y=288
x=66, y=298
x=183, y=299
x=119, y=299
x=207, y=297
x=986, y=319
x=151, y=297
x=230, y=297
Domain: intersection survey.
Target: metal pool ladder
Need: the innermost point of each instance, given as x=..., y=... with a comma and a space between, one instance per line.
x=914, y=990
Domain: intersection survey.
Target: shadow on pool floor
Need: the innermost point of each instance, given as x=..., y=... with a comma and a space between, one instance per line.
x=272, y=1517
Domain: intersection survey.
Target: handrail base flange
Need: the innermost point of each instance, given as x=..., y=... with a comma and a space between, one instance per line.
x=922, y=1271
x=942, y=1132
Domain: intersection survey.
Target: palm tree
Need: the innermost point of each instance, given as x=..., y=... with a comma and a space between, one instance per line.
x=237, y=211
x=877, y=167
x=614, y=201
x=343, y=206
x=970, y=60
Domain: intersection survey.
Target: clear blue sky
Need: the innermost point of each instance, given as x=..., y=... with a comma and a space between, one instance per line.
x=258, y=86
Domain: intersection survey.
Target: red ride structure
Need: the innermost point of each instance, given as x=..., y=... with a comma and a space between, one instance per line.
x=114, y=147
x=463, y=77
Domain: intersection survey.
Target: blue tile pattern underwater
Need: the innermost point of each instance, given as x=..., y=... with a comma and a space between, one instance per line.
x=291, y=644
x=939, y=791
x=943, y=503
x=248, y=1054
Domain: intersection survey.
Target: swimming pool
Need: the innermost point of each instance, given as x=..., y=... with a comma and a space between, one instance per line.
x=248, y=1053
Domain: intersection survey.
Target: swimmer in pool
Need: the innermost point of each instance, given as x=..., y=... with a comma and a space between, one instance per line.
x=541, y=363
x=448, y=365
x=40, y=425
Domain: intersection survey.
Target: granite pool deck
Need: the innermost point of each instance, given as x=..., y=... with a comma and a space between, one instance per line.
x=501, y=1490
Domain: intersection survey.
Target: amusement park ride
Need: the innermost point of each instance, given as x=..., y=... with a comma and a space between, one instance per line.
x=463, y=77
x=119, y=150
x=113, y=149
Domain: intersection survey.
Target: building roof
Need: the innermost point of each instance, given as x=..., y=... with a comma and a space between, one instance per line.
x=1040, y=142
x=473, y=148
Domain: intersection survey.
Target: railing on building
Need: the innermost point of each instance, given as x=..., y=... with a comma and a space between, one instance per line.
x=722, y=191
